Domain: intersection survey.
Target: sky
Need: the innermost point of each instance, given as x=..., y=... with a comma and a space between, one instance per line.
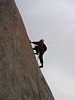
x=53, y=21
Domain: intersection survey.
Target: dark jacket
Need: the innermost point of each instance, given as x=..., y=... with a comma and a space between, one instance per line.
x=41, y=45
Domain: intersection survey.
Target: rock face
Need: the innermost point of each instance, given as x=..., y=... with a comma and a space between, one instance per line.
x=20, y=76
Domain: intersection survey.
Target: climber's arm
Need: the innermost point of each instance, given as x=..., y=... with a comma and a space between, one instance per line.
x=35, y=43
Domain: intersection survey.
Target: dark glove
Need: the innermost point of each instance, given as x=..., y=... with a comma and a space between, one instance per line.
x=31, y=42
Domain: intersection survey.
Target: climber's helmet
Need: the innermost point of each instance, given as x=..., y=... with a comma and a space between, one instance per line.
x=42, y=40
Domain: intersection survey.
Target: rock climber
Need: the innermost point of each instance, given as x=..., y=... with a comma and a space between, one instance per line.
x=40, y=48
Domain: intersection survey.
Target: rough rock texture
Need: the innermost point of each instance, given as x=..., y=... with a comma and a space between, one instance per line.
x=20, y=76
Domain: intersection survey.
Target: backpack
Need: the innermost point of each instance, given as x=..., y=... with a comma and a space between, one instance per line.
x=44, y=47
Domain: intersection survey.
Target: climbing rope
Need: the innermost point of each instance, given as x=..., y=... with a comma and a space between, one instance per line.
x=38, y=80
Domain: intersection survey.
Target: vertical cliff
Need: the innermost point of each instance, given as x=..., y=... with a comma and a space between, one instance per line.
x=20, y=76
